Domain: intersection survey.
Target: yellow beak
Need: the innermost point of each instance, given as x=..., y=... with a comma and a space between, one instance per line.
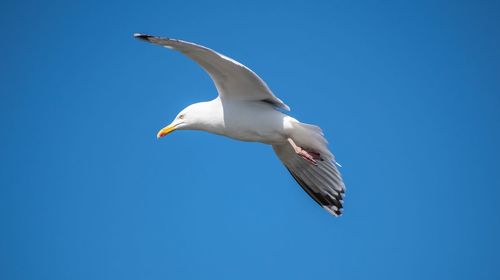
x=164, y=131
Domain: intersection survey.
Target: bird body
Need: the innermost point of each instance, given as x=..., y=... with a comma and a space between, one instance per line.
x=248, y=121
x=247, y=110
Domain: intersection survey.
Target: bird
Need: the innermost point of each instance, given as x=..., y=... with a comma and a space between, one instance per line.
x=247, y=110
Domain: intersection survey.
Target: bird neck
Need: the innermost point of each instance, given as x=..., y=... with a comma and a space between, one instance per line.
x=210, y=116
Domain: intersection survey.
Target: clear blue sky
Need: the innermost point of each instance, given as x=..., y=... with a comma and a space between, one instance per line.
x=407, y=93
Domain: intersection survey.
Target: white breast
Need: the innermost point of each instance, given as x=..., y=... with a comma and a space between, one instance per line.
x=254, y=121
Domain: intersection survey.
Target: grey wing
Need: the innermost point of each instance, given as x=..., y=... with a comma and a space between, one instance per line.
x=322, y=182
x=232, y=79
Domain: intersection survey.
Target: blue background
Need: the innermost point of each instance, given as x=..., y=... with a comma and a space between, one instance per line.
x=407, y=93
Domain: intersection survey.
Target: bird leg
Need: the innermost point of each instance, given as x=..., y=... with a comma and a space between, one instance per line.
x=310, y=156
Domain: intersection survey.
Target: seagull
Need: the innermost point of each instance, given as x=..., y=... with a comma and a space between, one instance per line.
x=247, y=110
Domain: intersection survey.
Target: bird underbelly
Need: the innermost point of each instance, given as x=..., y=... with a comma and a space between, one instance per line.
x=248, y=135
x=253, y=122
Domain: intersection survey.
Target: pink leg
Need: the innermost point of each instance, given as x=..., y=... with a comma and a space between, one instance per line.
x=310, y=156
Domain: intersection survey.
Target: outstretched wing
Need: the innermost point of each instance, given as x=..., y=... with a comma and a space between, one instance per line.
x=232, y=79
x=322, y=182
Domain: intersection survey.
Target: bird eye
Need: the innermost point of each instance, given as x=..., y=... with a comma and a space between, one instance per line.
x=181, y=116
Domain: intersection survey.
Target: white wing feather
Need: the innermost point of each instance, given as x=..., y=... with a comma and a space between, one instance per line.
x=232, y=79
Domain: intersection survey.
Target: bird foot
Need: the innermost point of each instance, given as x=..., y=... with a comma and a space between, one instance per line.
x=309, y=156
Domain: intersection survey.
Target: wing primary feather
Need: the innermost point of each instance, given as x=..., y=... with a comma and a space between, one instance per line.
x=318, y=198
x=143, y=37
x=232, y=79
x=322, y=182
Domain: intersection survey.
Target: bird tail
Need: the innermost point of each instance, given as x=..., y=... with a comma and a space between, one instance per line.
x=311, y=137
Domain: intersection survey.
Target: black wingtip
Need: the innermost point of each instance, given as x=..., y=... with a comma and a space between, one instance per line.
x=143, y=37
x=332, y=204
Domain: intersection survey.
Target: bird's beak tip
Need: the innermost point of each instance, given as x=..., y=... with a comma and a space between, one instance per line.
x=160, y=134
x=164, y=131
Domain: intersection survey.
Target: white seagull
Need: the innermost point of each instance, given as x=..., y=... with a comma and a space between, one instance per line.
x=247, y=110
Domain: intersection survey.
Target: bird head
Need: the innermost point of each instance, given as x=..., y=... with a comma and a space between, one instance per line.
x=188, y=118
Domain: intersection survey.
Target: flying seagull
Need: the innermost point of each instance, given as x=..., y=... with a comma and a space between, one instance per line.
x=247, y=110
